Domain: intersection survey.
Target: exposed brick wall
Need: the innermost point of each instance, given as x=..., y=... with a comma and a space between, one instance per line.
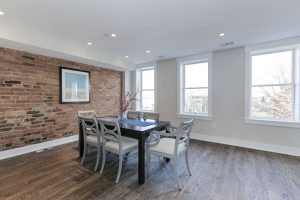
x=29, y=98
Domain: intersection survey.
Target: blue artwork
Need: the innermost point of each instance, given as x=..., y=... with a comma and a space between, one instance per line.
x=75, y=86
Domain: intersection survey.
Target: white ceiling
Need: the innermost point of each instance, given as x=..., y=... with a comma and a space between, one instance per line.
x=170, y=28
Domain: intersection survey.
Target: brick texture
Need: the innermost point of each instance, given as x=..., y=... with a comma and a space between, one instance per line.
x=30, y=111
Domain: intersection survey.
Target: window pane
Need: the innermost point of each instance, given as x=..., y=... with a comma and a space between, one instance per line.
x=148, y=79
x=148, y=100
x=196, y=75
x=273, y=102
x=272, y=68
x=196, y=100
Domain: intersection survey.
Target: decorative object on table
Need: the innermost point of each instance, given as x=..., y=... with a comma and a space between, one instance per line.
x=74, y=86
x=128, y=99
x=135, y=122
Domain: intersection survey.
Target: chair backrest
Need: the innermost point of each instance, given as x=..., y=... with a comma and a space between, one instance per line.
x=151, y=115
x=183, y=133
x=90, y=127
x=86, y=113
x=134, y=115
x=186, y=128
x=111, y=131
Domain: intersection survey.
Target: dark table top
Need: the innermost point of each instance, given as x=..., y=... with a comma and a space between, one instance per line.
x=125, y=126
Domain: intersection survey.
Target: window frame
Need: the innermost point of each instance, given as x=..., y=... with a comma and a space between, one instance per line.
x=268, y=48
x=139, y=86
x=181, y=63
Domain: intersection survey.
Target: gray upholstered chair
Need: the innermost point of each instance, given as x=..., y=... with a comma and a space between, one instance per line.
x=151, y=115
x=114, y=142
x=91, y=137
x=172, y=145
x=84, y=113
x=134, y=115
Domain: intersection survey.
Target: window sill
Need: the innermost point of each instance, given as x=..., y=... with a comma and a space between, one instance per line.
x=290, y=124
x=202, y=117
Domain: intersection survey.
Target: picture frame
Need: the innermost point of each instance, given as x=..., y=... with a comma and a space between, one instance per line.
x=74, y=86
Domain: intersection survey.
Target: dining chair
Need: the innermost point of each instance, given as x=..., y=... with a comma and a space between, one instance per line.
x=133, y=115
x=91, y=137
x=84, y=113
x=151, y=115
x=114, y=142
x=172, y=145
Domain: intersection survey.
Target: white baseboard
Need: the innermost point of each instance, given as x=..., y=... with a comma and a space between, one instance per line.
x=248, y=144
x=221, y=140
x=35, y=147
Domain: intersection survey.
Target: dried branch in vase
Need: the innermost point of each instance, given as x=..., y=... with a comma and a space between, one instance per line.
x=127, y=101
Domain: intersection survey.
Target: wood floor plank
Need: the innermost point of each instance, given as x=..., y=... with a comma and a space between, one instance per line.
x=218, y=172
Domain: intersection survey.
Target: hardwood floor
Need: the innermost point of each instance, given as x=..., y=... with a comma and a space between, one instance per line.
x=219, y=172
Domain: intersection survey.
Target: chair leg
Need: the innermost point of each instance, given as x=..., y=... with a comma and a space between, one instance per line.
x=87, y=149
x=148, y=161
x=98, y=158
x=147, y=152
x=126, y=156
x=176, y=174
x=84, y=152
x=148, y=158
x=103, y=161
x=120, y=167
x=187, y=161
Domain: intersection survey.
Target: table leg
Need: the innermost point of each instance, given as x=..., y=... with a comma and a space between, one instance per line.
x=80, y=142
x=141, y=167
x=167, y=159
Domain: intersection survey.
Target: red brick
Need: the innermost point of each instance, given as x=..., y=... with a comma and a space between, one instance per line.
x=29, y=102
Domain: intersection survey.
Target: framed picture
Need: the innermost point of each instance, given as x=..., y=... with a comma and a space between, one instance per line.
x=74, y=86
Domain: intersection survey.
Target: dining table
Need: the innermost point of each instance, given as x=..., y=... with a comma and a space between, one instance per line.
x=138, y=129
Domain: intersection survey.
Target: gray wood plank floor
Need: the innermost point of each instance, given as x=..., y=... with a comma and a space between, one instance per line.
x=219, y=172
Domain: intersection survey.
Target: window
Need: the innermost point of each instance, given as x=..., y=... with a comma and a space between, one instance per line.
x=272, y=85
x=146, y=89
x=194, y=87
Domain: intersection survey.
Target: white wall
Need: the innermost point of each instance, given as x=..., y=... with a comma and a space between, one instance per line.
x=228, y=106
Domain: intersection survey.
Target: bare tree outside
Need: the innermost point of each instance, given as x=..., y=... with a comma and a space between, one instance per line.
x=272, y=95
x=196, y=100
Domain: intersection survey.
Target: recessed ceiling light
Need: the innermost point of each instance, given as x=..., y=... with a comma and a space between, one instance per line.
x=113, y=35
x=89, y=43
x=148, y=51
x=126, y=56
x=222, y=34
x=2, y=13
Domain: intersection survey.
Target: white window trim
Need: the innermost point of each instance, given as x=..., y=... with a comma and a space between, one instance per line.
x=139, y=69
x=180, y=78
x=276, y=46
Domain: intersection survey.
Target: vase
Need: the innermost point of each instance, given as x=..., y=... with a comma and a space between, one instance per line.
x=122, y=116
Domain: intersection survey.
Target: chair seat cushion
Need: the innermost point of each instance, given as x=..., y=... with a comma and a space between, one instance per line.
x=92, y=139
x=127, y=143
x=167, y=146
